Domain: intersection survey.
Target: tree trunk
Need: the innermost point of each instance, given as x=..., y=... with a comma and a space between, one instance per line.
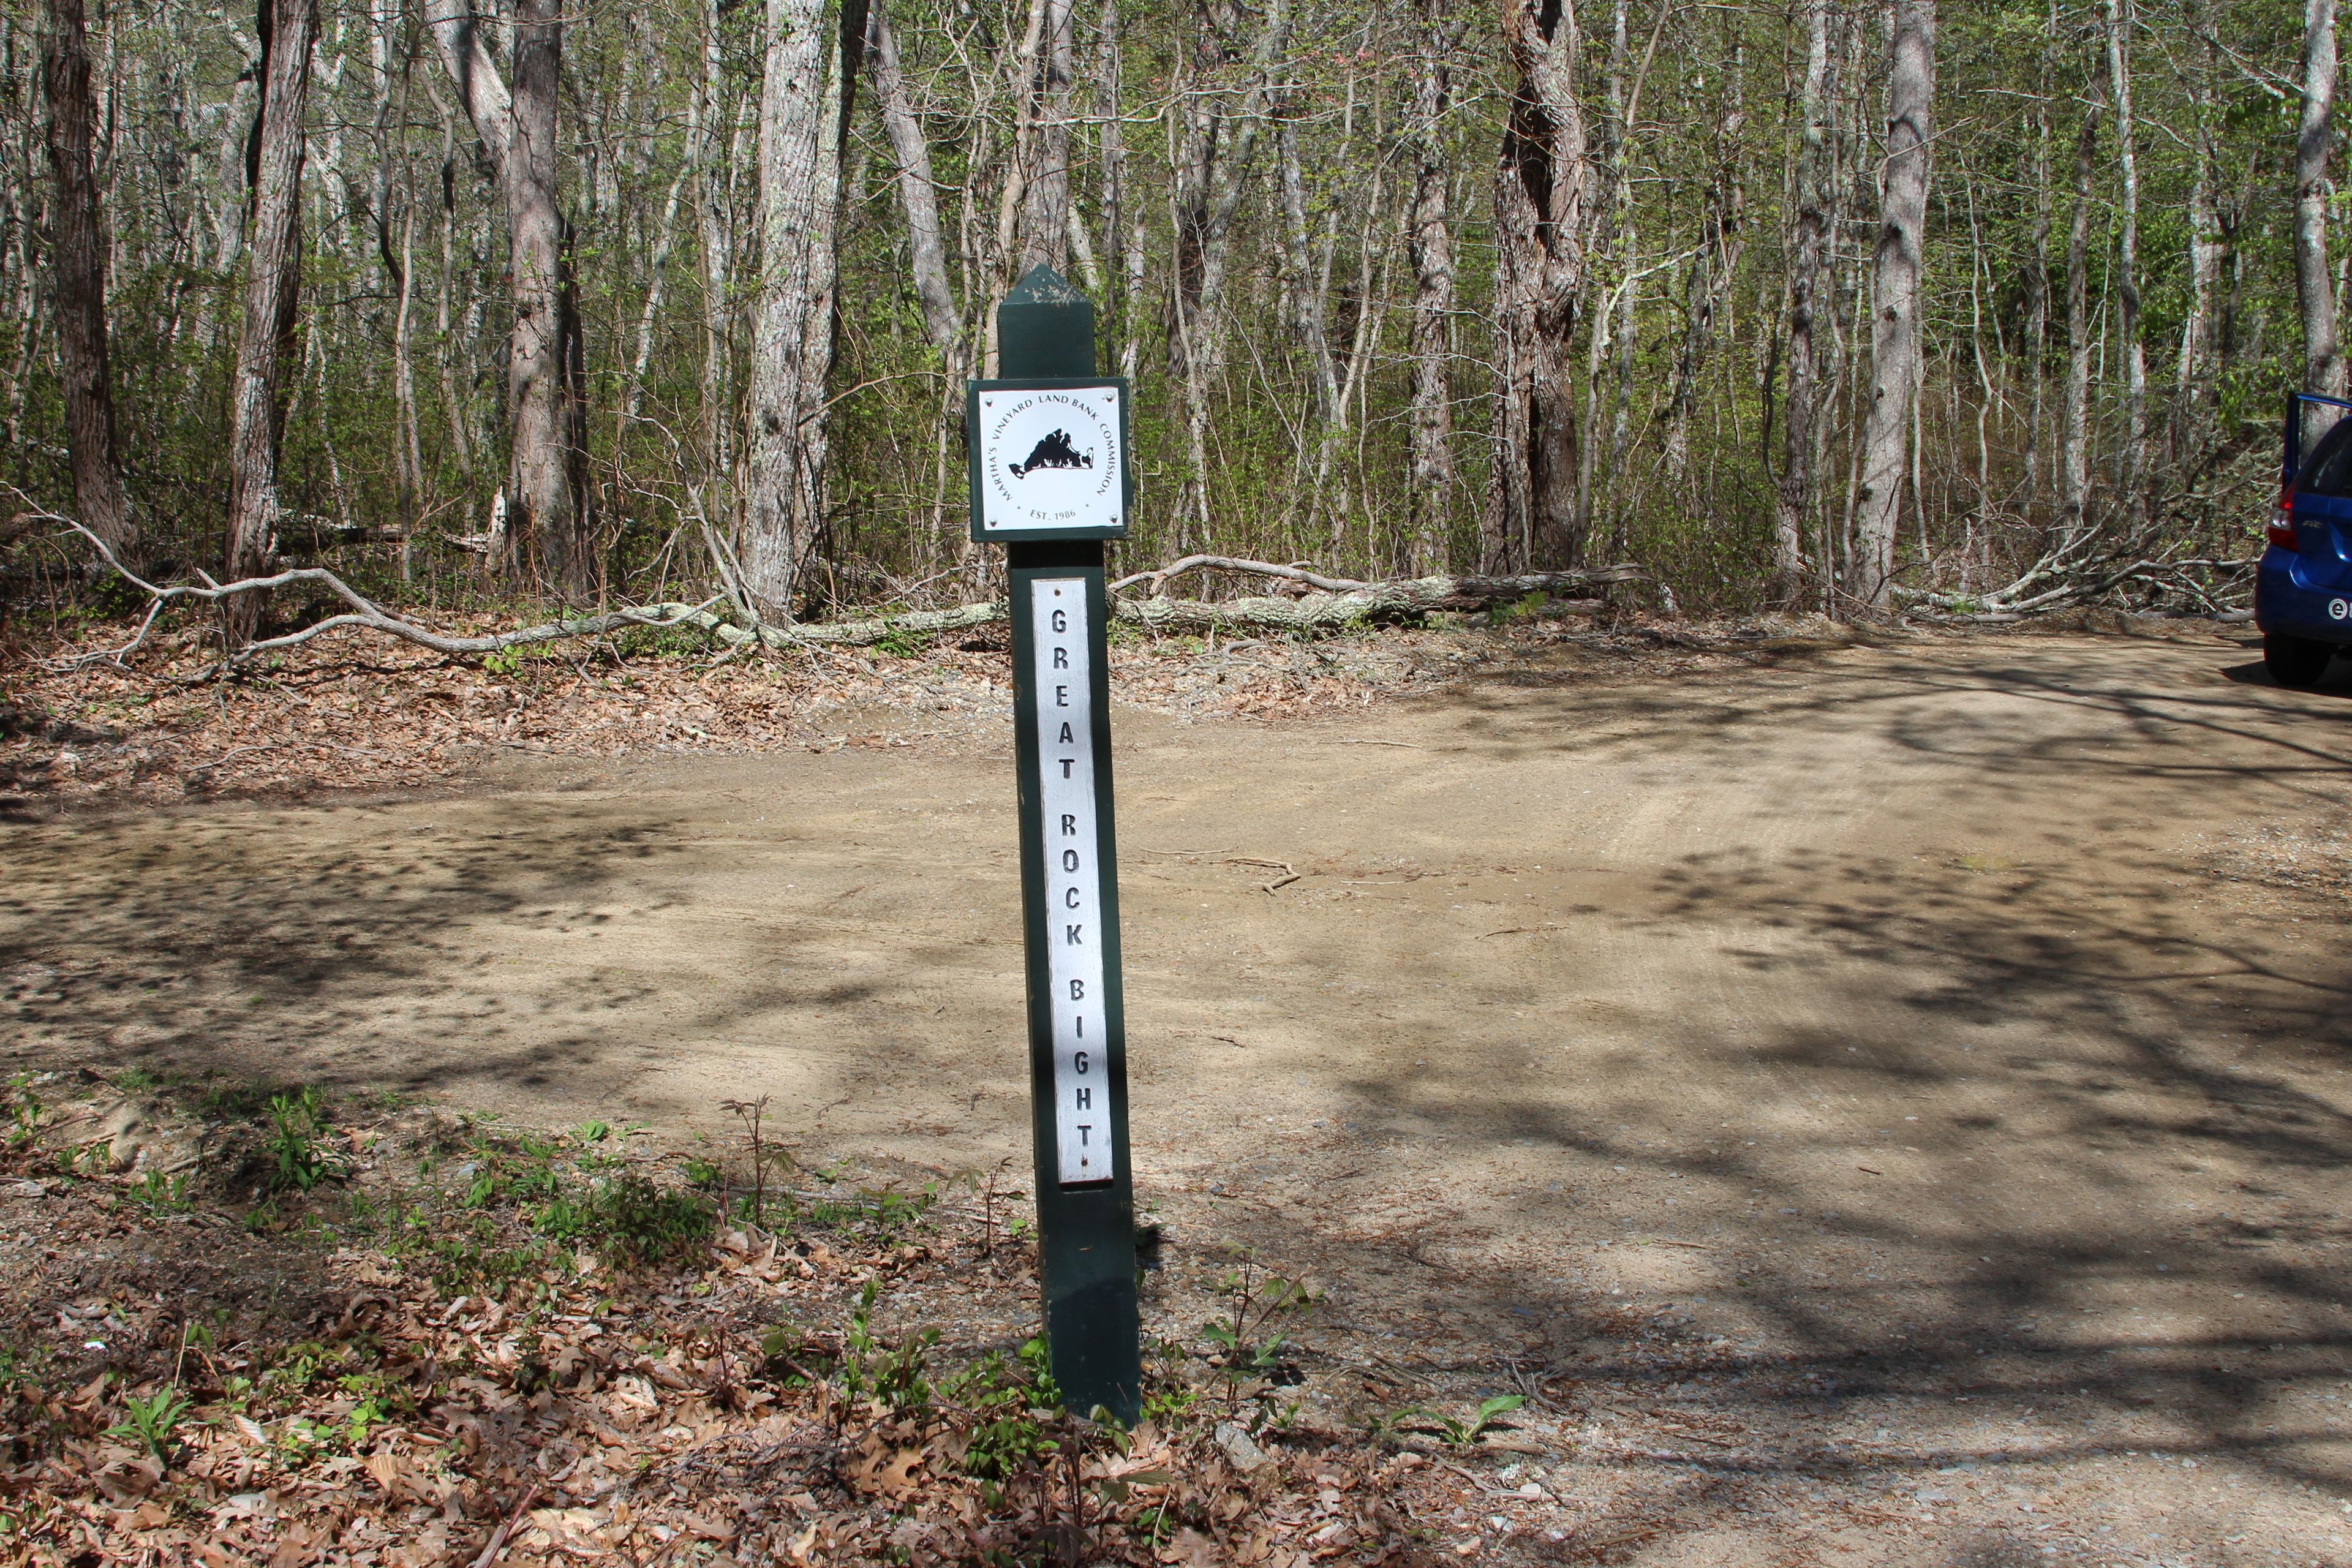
x=1613, y=242
x=408, y=457
x=1721, y=239
x=273, y=263
x=78, y=282
x=1046, y=199
x=1305, y=287
x=1429, y=518
x=927, y=250
x=2075, y=438
x=1793, y=501
x=711, y=201
x=2192, y=383
x=518, y=134
x=2037, y=289
x=792, y=346
x=1540, y=223
x=2323, y=359
x=544, y=509
x=2135, y=454
x=453, y=406
x=1711, y=276
x=1122, y=213
x=1224, y=143
x=1895, y=299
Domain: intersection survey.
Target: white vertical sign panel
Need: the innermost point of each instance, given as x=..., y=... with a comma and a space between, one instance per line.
x=1064, y=681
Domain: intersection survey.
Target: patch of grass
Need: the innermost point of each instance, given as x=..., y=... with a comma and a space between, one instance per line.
x=363, y=1215
x=660, y=642
x=630, y=1215
x=20, y=1361
x=472, y=1261
x=885, y=1214
x=512, y=1171
x=587, y=1202
x=1526, y=607
x=235, y=1101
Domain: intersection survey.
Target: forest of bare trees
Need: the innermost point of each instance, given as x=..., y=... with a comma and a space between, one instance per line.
x=1814, y=306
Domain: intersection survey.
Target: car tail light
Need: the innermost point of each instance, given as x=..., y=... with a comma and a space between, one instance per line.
x=2281, y=529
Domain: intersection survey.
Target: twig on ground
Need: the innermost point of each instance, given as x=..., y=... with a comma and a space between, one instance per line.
x=1289, y=874
x=498, y=1536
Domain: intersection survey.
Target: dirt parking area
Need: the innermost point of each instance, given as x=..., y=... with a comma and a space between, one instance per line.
x=1885, y=1105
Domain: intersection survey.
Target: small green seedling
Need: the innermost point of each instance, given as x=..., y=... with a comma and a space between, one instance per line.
x=299, y=1158
x=150, y=1420
x=159, y=1194
x=1249, y=1350
x=1459, y=1434
x=23, y=1118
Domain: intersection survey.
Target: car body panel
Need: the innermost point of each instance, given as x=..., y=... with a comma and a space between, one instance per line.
x=2307, y=591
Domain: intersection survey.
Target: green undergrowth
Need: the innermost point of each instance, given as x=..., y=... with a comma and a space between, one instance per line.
x=507, y=1267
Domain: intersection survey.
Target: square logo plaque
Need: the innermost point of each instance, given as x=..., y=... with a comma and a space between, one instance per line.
x=1049, y=460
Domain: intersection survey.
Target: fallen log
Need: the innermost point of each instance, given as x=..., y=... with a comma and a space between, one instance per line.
x=1369, y=603
x=1356, y=605
x=1329, y=604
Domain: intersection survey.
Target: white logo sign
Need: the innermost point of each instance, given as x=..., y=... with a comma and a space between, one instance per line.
x=1050, y=458
x=2337, y=609
x=1073, y=878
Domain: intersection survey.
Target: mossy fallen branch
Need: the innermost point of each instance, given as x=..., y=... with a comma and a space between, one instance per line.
x=1321, y=604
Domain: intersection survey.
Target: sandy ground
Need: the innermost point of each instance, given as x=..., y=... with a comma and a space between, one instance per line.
x=1889, y=1104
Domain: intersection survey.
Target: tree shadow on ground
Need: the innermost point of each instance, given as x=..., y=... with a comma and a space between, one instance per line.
x=2033, y=1256
x=379, y=955
x=2094, y=1045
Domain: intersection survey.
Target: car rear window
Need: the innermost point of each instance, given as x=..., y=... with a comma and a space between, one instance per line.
x=2329, y=471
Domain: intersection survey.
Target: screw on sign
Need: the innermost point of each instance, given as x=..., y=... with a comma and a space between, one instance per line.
x=1050, y=480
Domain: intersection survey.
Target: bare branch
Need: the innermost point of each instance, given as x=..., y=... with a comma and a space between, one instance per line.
x=364, y=612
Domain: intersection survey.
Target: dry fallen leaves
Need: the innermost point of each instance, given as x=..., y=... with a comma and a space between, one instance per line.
x=380, y=1408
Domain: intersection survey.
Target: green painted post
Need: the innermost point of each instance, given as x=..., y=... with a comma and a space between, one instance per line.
x=1049, y=451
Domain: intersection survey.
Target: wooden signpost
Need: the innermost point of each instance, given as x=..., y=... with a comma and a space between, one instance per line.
x=1051, y=480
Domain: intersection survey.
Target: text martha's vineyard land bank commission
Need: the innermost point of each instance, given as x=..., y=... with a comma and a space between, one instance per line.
x=1052, y=459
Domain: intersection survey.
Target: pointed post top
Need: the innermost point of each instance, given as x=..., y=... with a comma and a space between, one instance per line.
x=1044, y=328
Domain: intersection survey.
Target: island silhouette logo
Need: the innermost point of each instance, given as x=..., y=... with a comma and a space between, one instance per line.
x=1054, y=452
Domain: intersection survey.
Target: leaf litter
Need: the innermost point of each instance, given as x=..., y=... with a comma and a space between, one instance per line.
x=437, y=1339
x=358, y=716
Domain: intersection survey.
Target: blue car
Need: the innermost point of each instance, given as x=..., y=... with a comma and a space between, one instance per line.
x=2303, y=588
